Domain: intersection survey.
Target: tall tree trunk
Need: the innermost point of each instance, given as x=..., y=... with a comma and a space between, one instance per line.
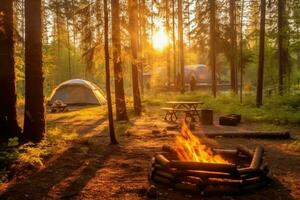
x=188, y=20
x=168, y=44
x=181, y=47
x=132, y=4
x=241, y=52
x=174, y=45
x=142, y=42
x=69, y=51
x=112, y=134
x=212, y=52
x=121, y=111
x=233, y=75
x=8, y=117
x=260, y=80
x=282, y=45
x=34, y=119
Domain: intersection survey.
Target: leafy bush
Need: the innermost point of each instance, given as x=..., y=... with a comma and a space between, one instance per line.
x=8, y=154
x=276, y=109
x=30, y=156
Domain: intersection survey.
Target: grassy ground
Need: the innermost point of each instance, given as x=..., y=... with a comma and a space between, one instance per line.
x=83, y=128
x=82, y=164
x=278, y=110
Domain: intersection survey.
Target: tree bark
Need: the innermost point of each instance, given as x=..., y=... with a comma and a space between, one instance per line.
x=168, y=45
x=241, y=52
x=282, y=44
x=260, y=80
x=142, y=43
x=8, y=117
x=174, y=45
x=212, y=52
x=181, y=47
x=121, y=111
x=233, y=45
x=132, y=4
x=34, y=119
x=112, y=134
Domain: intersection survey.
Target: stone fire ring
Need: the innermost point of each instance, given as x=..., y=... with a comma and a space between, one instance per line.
x=247, y=171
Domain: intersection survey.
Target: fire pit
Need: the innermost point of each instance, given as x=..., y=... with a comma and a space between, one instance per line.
x=192, y=166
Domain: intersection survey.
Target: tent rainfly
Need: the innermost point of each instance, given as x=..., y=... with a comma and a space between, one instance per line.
x=78, y=92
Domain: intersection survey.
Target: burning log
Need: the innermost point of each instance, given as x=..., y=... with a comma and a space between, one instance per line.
x=169, y=149
x=221, y=189
x=257, y=157
x=253, y=186
x=165, y=174
x=244, y=150
x=215, y=167
x=253, y=180
x=218, y=181
x=247, y=170
x=190, y=179
x=187, y=187
x=226, y=152
x=160, y=167
x=195, y=167
x=264, y=168
x=163, y=180
x=204, y=174
x=160, y=159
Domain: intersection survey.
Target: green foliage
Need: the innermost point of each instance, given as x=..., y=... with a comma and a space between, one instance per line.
x=31, y=156
x=282, y=110
x=8, y=154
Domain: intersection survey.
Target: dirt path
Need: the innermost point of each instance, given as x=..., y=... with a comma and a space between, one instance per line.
x=92, y=169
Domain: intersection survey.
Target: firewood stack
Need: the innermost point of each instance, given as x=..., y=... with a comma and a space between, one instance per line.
x=245, y=171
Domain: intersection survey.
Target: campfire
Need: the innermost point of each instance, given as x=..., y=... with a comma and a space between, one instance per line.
x=195, y=167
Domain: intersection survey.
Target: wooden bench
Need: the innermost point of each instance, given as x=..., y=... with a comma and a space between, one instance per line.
x=171, y=113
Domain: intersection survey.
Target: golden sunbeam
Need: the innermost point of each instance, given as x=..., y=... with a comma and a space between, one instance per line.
x=160, y=39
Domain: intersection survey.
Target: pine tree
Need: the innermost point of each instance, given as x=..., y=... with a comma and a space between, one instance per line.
x=34, y=119
x=133, y=16
x=121, y=110
x=233, y=45
x=180, y=46
x=212, y=53
x=8, y=117
x=112, y=134
x=283, y=57
x=260, y=80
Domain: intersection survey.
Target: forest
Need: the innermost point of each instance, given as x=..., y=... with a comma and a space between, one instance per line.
x=149, y=99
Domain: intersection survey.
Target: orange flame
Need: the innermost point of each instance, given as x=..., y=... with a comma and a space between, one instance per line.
x=190, y=148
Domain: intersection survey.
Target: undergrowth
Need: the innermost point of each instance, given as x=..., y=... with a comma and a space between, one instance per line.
x=29, y=157
x=279, y=110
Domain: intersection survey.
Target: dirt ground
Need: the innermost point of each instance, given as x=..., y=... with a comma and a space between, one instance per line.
x=93, y=169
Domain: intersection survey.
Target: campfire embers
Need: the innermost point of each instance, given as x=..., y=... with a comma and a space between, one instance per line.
x=218, y=170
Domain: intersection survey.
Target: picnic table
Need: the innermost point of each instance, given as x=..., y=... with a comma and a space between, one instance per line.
x=190, y=108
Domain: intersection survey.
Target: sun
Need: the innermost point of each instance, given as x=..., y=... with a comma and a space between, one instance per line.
x=160, y=39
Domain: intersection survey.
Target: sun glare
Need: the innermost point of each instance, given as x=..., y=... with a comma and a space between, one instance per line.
x=160, y=39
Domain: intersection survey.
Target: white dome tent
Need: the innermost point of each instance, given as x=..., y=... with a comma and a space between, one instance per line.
x=78, y=92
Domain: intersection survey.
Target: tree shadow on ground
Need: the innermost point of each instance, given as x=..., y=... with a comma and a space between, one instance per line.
x=68, y=173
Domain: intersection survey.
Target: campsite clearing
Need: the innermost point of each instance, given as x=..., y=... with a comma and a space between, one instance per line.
x=90, y=168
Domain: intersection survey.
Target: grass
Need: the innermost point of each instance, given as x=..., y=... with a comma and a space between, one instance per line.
x=29, y=157
x=275, y=112
x=279, y=110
